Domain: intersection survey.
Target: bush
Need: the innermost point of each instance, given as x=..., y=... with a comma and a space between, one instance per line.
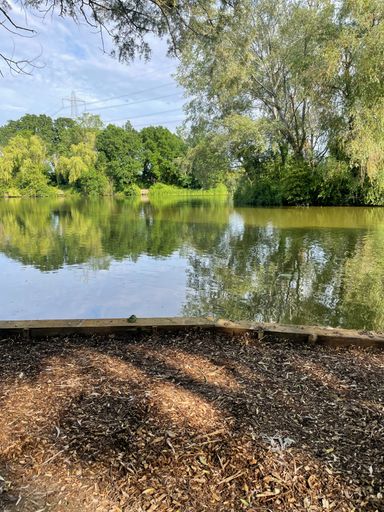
x=373, y=190
x=299, y=183
x=263, y=191
x=337, y=184
x=132, y=191
x=12, y=192
x=94, y=183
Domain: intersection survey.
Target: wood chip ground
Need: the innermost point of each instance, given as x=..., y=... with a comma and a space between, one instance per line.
x=189, y=422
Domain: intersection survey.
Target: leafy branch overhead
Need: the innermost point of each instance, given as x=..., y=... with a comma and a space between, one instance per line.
x=125, y=22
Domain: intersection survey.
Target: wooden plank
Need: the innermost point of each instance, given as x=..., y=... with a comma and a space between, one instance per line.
x=300, y=333
x=36, y=328
x=306, y=333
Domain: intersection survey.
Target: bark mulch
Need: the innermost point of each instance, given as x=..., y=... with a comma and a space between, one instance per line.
x=189, y=422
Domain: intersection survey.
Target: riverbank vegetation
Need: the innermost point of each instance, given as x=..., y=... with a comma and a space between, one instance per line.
x=41, y=156
x=298, y=107
x=294, y=117
x=160, y=190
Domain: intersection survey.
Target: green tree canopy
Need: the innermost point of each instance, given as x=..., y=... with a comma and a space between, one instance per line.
x=40, y=125
x=121, y=152
x=79, y=168
x=312, y=72
x=163, y=151
x=23, y=164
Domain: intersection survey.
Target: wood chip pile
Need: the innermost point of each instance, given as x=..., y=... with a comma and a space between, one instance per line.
x=189, y=422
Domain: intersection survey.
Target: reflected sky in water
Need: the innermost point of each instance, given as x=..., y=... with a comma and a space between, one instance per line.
x=80, y=258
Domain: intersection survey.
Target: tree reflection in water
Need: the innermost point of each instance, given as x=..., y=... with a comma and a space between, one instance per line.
x=290, y=265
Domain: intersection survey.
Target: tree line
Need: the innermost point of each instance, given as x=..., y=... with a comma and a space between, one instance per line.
x=40, y=156
x=289, y=96
x=287, y=102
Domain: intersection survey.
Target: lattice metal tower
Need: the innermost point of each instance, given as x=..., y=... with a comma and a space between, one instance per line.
x=75, y=102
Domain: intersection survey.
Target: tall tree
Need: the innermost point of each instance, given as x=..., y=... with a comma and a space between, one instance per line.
x=24, y=164
x=121, y=152
x=273, y=54
x=40, y=125
x=311, y=70
x=163, y=151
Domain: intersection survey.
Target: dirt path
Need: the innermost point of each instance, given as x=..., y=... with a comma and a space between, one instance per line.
x=192, y=422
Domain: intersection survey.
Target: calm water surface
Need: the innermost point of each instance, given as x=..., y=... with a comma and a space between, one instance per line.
x=78, y=258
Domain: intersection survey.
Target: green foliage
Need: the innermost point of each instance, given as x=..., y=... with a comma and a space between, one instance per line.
x=298, y=183
x=67, y=133
x=79, y=169
x=11, y=192
x=82, y=156
x=308, y=75
x=161, y=189
x=338, y=185
x=207, y=162
x=373, y=190
x=263, y=190
x=29, y=124
x=94, y=183
x=132, y=190
x=24, y=166
x=163, y=153
x=220, y=153
x=121, y=153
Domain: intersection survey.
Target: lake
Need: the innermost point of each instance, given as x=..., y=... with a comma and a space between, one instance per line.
x=70, y=258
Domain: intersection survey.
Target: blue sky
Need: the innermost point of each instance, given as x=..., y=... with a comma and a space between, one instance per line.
x=69, y=58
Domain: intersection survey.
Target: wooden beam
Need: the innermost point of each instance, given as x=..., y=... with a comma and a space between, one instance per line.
x=35, y=328
x=307, y=333
x=300, y=333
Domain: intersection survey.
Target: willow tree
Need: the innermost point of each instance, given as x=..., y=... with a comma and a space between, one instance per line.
x=311, y=70
x=79, y=169
x=360, y=82
x=262, y=59
x=24, y=166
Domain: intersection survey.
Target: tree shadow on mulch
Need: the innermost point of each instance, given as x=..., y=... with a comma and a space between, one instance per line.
x=190, y=422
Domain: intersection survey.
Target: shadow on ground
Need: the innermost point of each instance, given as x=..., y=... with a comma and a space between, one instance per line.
x=190, y=422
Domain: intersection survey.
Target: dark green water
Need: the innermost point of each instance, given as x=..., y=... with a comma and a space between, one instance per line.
x=72, y=258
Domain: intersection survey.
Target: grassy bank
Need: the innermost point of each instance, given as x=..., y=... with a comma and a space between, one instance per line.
x=162, y=190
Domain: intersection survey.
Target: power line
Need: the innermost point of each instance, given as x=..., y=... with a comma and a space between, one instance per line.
x=130, y=94
x=144, y=115
x=55, y=113
x=131, y=103
x=115, y=98
x=169, y=121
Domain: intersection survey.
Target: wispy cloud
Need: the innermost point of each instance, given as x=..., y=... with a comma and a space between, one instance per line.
x=70, y=58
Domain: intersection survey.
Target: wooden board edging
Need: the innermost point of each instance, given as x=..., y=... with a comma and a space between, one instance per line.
x=311, y=334
x=306, y=333
x=35, y=328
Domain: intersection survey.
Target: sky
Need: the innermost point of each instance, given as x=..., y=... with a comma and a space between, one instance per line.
x=69, y=58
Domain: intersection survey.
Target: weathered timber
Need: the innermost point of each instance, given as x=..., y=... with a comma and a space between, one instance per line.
x=307, y=333
x=300, y=333
x=38, y=328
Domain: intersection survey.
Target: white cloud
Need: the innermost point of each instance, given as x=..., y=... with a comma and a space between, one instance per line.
x=70, y=58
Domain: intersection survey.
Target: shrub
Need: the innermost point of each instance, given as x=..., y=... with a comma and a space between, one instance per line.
x=131, y=190
x=338, y=185
x=299, y=183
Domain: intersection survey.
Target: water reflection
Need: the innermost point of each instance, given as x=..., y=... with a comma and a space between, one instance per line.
x=65, y=258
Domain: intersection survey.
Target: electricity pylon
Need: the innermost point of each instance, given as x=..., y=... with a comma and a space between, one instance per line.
x=74, y=102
